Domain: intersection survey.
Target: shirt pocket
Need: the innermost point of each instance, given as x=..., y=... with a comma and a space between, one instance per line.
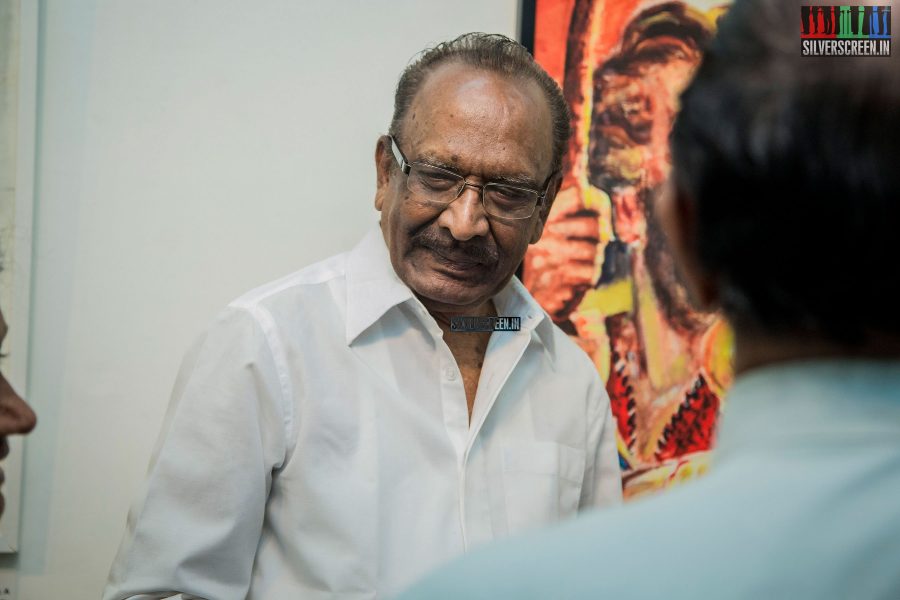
x=541, y=482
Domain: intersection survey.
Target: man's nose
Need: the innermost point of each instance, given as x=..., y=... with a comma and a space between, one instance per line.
x=465, y=217
x=15, y=415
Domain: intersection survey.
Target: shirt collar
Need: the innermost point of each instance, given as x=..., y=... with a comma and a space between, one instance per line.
x=373, y=288
x=788, y=403
x=515, y=301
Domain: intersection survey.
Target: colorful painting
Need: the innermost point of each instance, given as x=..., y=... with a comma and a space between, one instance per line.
x=601, y=269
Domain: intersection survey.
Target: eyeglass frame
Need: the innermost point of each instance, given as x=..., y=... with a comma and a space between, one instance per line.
x=406, y=166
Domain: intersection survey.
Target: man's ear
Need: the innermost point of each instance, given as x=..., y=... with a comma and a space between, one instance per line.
x=552, y=190
x=676, y=212
x=384, y=164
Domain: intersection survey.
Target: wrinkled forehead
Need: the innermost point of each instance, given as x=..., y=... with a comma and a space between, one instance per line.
x=459, y=92
x=461, y=108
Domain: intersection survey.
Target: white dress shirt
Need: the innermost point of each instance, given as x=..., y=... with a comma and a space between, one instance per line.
x=318, y=443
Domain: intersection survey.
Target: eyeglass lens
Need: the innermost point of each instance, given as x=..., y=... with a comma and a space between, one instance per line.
x=441, y=186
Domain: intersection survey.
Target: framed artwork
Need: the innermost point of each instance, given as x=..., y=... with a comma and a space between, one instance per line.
x=602, y=270
x=18, y=74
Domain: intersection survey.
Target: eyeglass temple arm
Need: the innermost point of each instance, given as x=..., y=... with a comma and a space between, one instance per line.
x=543, y=197
x=398, y=156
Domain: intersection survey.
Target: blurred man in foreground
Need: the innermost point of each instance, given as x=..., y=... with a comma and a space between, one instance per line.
x=782, y=211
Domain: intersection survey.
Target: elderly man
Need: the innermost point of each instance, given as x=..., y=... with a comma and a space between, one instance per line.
x=783, y=211
x=339, y=432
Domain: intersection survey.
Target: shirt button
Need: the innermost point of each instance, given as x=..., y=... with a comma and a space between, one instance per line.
x=450, y=373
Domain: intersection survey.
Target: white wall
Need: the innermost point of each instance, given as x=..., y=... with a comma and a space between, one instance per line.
x=186, y=151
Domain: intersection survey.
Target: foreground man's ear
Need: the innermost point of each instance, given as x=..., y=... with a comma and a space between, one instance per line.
x=677, y=215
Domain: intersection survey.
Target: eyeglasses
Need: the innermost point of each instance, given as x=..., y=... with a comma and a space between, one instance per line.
x=441, y=186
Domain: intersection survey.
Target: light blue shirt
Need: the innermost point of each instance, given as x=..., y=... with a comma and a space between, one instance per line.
x=803, y=501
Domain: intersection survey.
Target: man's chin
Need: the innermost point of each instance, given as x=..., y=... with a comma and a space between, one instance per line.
x=450, y=293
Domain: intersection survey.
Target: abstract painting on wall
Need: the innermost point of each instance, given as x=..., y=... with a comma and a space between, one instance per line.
x=601, y=269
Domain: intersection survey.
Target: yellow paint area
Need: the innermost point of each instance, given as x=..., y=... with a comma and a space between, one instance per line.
x=597, y=199
x=590, y=319
x=718, y=357
x=609, y=299
x=668, y=363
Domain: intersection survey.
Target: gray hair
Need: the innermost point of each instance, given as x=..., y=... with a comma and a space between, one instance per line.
x=491, y=52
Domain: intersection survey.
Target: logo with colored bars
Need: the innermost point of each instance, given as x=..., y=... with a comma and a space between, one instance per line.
x=845, y=30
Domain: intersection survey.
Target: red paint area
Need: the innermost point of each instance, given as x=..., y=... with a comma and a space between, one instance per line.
x=693, y=427
x=550, y=34
x=621, y=399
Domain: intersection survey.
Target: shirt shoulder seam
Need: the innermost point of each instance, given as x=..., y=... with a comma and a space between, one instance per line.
x=267, y=326
x=304, y=277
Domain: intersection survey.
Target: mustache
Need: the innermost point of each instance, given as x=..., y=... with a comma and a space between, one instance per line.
x=475, y=251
